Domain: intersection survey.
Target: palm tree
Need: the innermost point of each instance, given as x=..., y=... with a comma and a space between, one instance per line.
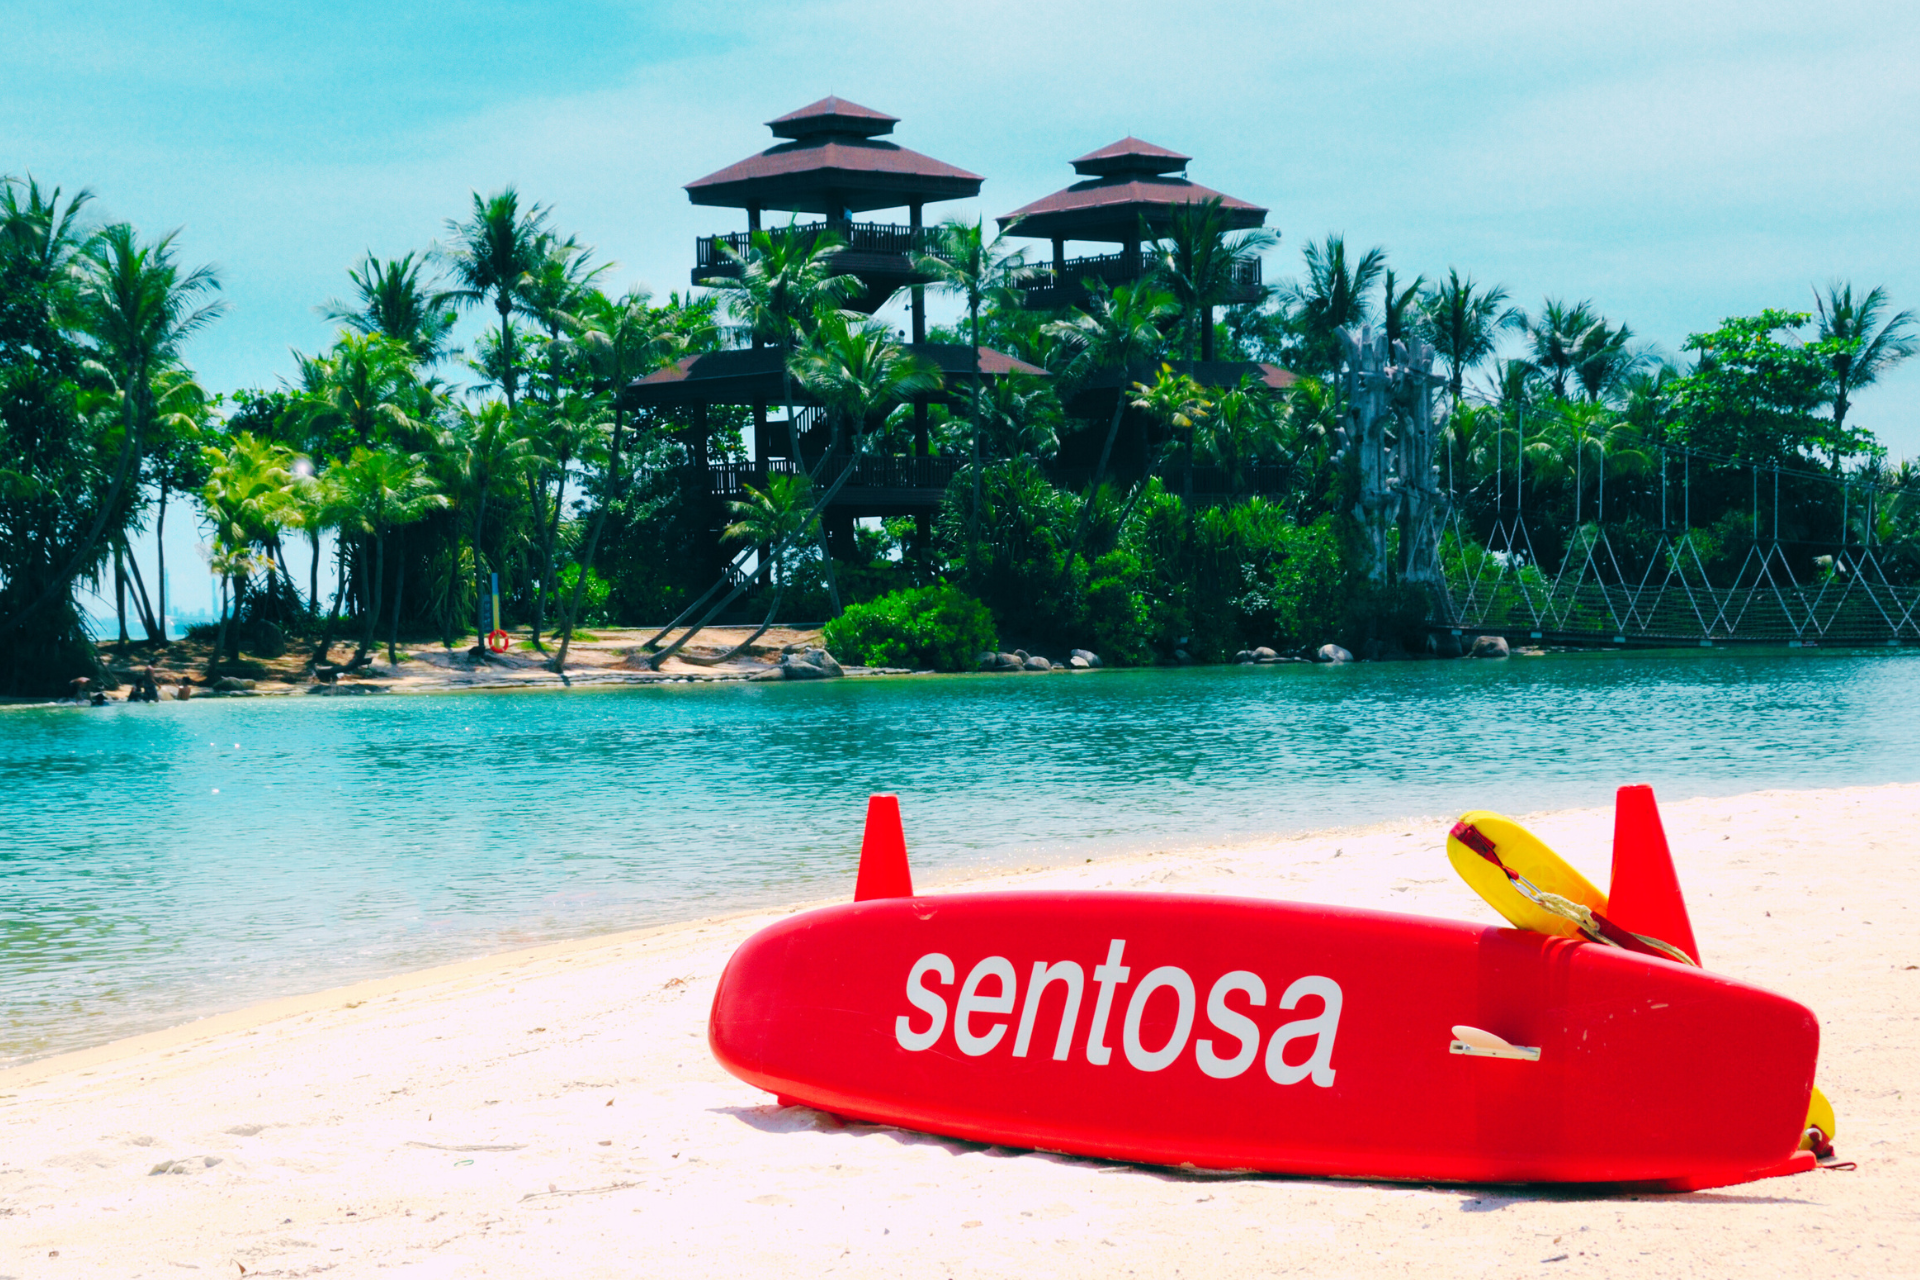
x=137, y=309
x=1557, y=337
x=1864, y=351
x=182, y=411
x=495, y=251
x=1179, y=404
x=1397, y=304
x=1331, y=298
x=357, y=395
x=961, y=260
x=623, y=339
x=1019, y=417
x=858, y=372
x=1463, y=322
x=482, y=452
x=394, y=302
x=249, y=498
x=786, y=282
x=1116, y=330
x=376, y=492
x=1603, y=360
x=1198, y=261
x=777, y=519
x=559, y=288
x=1244, y=424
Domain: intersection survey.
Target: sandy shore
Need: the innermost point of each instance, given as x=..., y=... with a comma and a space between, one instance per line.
x=606, y=655
x=556, y=1113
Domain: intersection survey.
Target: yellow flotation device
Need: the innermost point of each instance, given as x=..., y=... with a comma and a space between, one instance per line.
x=1527, y=855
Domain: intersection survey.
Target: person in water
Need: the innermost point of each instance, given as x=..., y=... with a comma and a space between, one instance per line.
x=184, y=692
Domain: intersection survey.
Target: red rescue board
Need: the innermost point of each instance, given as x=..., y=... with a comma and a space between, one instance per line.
x=1227, y=1033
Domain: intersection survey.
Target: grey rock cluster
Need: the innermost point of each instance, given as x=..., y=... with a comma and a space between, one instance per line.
x=1331, y=653
x=1021, y=660
x=1489, y=647
x=810, y=664
x=1261, y=655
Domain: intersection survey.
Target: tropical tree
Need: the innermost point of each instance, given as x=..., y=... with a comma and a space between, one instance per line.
x=1332, y=297
x=787, y=281
x=1463, y=322
x=1177, y=403
x=136, y=308
x=623, y=339
x=961, y=260
x=1243, y=425
x=1198, y=261
x=777, y=519
x=1866, y=346
x=1603, y=359
x=362, y=393
x=1117, y=329
x=1557, y=337
x=375, y=492
x=394, y=301
x=1398, y=307
x=493, y=255
x=856, y=370
x=249, y=499
x=480, y=454
x=183, y=414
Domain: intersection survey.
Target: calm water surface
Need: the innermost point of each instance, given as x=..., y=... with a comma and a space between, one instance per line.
x=162, y=862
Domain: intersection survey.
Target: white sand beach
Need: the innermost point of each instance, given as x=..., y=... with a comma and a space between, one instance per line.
x=555, y=1112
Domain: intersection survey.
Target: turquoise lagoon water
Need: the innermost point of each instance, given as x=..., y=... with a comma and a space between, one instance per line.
x=162, y=862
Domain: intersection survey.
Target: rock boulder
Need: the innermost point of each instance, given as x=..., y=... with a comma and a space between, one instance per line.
x=1331, y=653
x=1093, y=659
x=1264, y=654
x=810, y=664
x=1038, y=663
x=1490, y=647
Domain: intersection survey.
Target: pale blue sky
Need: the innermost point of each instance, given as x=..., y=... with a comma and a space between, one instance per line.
x=1674, y=163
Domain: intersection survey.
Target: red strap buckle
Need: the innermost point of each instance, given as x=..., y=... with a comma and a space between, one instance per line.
x=1469, y=835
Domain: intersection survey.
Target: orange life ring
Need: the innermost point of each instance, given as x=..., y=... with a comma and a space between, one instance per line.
x=498, y=641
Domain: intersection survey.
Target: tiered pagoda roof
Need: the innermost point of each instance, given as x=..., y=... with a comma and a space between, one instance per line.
x=833, y=164
x=1126, y=183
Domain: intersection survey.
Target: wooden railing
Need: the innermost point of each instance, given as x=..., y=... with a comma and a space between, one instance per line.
x=1058, y=286
x=874, y=471
x=928, y=478
x=710, y=253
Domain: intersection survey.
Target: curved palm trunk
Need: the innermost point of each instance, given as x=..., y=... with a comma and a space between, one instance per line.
x=372, y=598
x=339, y=592
x=160, y=556
x=399, y=586
x=546, y=553
x=1099, y=474
x=739, y=588
x=62, y=584
x=793, y=437
x=744, y=645
x=973, y=523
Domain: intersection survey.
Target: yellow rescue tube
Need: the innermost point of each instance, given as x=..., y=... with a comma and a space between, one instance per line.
x=1524, y=852
x=1819, y=1116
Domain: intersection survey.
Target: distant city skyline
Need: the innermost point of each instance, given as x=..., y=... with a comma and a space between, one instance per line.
x=1674, y=164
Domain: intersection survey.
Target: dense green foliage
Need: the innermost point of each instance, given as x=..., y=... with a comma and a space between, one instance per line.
x=940, y=628
x=1124, y=502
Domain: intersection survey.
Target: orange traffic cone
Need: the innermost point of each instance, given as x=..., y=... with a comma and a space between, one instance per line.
x=883, y=853
x=1644, y=895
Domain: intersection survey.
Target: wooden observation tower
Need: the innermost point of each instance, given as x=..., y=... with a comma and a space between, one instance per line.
x=832, y=163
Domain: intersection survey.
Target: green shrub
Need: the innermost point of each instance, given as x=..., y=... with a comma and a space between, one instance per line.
x=593, y=600
x=940, y=627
